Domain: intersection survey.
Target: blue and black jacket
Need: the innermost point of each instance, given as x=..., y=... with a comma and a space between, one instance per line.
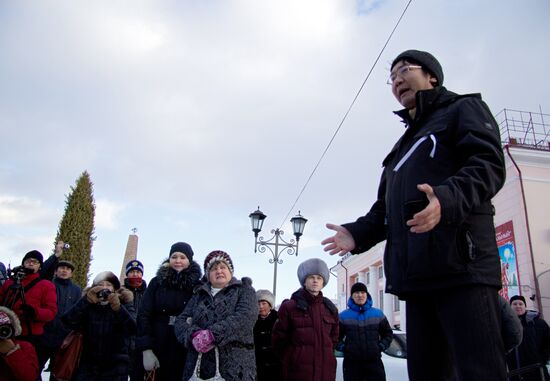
x=364, y=331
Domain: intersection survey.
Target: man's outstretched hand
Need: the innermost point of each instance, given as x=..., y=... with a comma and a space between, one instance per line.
x=340, y=243
x=429, y=217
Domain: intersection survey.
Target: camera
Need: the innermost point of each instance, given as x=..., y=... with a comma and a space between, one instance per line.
x=103, y=294
x=19, y=273
x=6, y=331
x=66, y=246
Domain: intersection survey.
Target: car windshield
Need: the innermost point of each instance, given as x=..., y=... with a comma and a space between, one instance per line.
x=398, y=346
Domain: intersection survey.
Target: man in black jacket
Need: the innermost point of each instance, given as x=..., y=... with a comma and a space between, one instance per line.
x=55, y=331
x=434, y=209
x=534, y=349
x=134, y=282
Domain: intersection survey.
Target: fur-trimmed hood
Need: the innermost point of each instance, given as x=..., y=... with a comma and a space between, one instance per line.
x=185, y=279
x=14, y=320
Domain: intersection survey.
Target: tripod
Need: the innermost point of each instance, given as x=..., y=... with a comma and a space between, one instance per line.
x=15, y=291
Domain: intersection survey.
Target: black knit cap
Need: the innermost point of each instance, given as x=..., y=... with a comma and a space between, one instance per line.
x=35, y=254
x=424, y=59
x=358, y=287
x=518, y=297
x=184, y=248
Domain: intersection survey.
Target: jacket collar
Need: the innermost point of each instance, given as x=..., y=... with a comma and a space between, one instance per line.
x=426, y=102
x=355, y=307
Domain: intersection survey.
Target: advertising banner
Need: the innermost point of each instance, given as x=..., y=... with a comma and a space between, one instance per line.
x=508, y=260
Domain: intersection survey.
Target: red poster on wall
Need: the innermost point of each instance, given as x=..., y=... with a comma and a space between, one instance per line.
x=508, y=260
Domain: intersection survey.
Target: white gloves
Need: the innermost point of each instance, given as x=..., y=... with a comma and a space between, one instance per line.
x=150, y=361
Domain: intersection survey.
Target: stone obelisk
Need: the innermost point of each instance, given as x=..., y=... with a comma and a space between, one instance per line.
x=131, y=253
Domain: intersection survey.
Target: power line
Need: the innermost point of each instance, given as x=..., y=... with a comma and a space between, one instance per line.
x=346, y=114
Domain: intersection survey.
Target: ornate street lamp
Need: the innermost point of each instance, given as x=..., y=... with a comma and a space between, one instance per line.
x=274, y=243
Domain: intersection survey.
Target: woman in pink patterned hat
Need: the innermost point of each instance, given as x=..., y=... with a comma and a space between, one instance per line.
x=221, y=314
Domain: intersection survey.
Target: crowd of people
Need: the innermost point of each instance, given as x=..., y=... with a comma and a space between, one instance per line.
x=189, y=321
x=201, y=321
x=196, y=322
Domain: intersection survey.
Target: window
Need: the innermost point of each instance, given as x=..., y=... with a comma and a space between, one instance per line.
x=381, y=272
x=367, y=278
x=381, y=299
x=395, y=303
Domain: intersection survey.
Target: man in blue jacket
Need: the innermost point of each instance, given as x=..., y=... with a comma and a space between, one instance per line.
x=365, y=333
x=434, y=209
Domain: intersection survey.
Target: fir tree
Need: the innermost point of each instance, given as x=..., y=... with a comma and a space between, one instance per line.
x=77, y=228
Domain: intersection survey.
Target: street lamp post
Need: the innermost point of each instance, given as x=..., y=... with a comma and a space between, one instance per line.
x=274, y=243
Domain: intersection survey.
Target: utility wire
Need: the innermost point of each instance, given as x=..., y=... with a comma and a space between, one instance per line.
x=346, y=114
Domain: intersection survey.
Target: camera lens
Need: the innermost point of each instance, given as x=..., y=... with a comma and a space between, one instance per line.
x=103, y=294
x=6, y=331
x=66, y=246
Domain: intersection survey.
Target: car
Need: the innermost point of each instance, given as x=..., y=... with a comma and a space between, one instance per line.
x=394, y=359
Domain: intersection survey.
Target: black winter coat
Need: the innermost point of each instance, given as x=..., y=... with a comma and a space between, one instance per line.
x=230, y=316
x=268, y=364
x=165, y=298
x=452, y=144
x=534, y=348
x=138, y=293
x=55, y=331
x=106, y=333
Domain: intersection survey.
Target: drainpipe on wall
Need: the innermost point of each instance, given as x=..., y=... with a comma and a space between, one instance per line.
x=537, y=289
x=341, y=263
x=347, y=280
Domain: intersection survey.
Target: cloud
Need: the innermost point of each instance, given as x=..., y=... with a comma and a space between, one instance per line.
x=107, y=214
x=22, y=210
x=188, y=115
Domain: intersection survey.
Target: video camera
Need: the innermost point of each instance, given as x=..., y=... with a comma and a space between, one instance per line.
x=19, y=273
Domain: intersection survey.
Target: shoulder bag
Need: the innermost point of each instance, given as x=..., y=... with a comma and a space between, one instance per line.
x=67, y=357
x=196, y=372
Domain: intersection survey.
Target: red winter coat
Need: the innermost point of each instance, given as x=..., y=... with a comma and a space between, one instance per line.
x=42, y=297
x=305, y=336
x=20, y=365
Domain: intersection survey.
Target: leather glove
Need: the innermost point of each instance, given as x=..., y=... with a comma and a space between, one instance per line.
x=28, y=310
x=150, y=361
x=114, y=301
x=91, y=294
x=203, y=340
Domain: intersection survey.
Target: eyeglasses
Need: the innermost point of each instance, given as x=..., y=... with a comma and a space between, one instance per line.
x=401, y=72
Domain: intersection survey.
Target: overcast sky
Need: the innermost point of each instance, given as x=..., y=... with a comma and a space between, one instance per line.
x=188, y=115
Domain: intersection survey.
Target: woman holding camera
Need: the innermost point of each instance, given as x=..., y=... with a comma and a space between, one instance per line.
x=105, y=315
x=165, y=298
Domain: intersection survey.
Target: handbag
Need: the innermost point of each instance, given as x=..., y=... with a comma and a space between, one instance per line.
x=149, y=375
x=196, y=372
x=67, y=357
